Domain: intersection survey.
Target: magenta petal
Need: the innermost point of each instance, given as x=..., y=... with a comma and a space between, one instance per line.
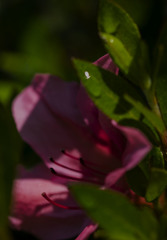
x=107, y=63
x=89, y=111
x=87, y=232
x=136, y=148
x=48, y=118
x=33, y=214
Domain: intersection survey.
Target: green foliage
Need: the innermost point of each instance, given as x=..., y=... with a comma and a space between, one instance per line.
x=107, y=91
x=120, y=33
x=115, y=214
x=139, y=10
x=9, y=156
x=154, y=119
x=157, y=184
x=137, y=181
x=122, y=40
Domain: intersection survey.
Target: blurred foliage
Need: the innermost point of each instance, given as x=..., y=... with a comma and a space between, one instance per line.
x=39, y=36
x=42, y=36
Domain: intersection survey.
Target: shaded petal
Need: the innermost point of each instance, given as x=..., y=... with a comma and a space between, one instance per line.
x=32, y=213
x=107, y=63
x=87, y=232
x=50, y=121
x=136, y=148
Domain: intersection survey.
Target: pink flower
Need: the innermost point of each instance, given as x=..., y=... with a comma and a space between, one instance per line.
x=78, y=143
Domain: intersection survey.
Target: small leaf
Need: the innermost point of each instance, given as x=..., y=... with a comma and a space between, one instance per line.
x=157, y=184
x=115, y=214
x=122, y=40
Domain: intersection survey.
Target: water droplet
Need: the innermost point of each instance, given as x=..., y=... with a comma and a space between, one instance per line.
x=87, y=75
x=111, y=40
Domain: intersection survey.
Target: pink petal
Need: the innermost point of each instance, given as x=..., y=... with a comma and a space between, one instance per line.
x=49, y=120
x=107, y=63
x=136, y=148
x=87, y=232
x=32, y=213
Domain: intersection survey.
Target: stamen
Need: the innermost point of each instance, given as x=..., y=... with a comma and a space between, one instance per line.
x=69, y=155
x=82, y=161
x=58, y=204
x=78, y=158
x=73, y=178
x=63, y=166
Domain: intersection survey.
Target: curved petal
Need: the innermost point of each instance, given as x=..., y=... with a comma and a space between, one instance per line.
x=50, y=121
x=87, y=232
x=32, y=213
x=136, y=148
x=107, y=63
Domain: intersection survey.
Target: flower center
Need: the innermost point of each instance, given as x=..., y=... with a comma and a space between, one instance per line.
x=88, y=172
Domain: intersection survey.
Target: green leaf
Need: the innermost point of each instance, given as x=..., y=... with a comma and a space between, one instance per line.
x=118, y=29
x=137, y=181
x=9, y=155
x=157, y=184
x=107, y=91
x=115, y=214
x=156, y=158
x=122, y=40
x=154, y=119
x=139, y=10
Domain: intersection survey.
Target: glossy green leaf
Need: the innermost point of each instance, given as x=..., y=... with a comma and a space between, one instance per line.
x=156, y=158
x=157, y=184
x=9, y=155
x=115, y=214
x=107, y=91
x=122, y=40
x=118, y=29
x=154, y=119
